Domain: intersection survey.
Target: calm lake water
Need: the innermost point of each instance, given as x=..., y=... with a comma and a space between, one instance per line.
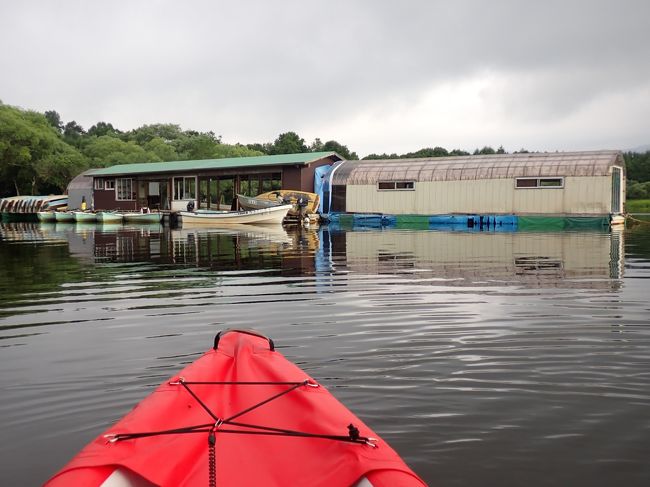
x=483, y=358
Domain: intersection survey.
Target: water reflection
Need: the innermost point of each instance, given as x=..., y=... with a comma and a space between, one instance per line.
x=566, y=259
x=509, y=352
x=561, y=259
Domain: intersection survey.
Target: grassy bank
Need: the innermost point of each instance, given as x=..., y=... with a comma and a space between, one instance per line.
x=637, y=206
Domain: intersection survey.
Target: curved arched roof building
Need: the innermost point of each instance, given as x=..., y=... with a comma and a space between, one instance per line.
x=557, y=184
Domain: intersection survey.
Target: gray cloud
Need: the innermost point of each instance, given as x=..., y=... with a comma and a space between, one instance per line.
x=251, y=69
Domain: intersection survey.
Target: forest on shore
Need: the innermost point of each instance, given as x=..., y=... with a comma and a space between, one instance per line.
x=40, y=154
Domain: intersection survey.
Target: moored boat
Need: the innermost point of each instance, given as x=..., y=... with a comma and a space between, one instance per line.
x=240, y=415
x=84, y=216
x=109, y=217
x=273, y=215
x=136, y=217
x=46, y=216
x=26, y=208
x=304, y=203
x=253, y=203
x=64, y=216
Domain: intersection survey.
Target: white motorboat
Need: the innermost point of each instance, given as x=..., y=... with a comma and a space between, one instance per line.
x=273, y=215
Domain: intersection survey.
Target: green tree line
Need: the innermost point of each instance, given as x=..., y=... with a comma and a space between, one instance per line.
x=637, y=168
x=40, y=154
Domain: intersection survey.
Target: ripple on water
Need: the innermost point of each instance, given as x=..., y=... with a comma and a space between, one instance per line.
x=476, y=362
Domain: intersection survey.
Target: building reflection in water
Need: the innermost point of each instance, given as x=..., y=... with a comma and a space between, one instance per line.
x=562, y=259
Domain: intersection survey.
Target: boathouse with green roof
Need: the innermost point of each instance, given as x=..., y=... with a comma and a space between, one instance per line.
x=208, y=184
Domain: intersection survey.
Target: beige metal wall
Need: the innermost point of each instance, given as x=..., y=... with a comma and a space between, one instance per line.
x=580, y=195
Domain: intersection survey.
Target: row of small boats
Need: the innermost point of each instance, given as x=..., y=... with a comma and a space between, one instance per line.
x=24, y=208
x=99, y=217
x=267, y=208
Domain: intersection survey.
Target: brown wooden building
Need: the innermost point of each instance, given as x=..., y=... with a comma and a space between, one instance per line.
x=209, y=184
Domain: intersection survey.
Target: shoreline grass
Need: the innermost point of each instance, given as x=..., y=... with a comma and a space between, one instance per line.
x=637, y=206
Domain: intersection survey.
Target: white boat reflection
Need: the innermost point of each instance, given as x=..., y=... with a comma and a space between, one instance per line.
x=269, y=233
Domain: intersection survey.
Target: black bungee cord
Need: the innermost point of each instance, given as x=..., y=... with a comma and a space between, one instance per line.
x=353, y=435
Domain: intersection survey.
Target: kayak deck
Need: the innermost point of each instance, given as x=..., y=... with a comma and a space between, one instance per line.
x=241, y=415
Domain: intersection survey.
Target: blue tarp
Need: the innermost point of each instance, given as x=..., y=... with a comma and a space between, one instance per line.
x=322, y=184
x=496, y=223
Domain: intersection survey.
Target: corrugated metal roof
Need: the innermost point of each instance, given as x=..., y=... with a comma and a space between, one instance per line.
x=208, y=164
x=82, y=181
x=493, y=166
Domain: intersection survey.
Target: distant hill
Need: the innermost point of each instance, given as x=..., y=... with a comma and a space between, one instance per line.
x=641, y=148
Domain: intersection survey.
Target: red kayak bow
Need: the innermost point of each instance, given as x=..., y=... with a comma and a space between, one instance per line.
x=241, y=415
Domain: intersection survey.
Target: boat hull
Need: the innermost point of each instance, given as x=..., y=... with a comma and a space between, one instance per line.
x=109, y=217
x=63, y=216
x=265, y=216
x=250, y=203
x=84, y=217
x=304, y=203
x=142, y=217
x=300, y=437
x=26, y=208
x=46, y=216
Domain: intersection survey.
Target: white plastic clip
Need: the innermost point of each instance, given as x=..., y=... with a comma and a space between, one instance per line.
x=371, y=442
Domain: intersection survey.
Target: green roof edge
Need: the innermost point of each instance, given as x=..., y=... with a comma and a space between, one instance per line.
x=207, y=164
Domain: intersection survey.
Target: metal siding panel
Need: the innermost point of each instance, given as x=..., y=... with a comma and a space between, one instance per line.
x=588, y=195
x=581, y=195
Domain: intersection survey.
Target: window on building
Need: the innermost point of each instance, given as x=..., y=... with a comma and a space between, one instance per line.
x=125, y=189
x=539, y=183
x=551, y=183
x=99, y=183
x=404, y=185
x=396, y=185
x=276, y=181
x=190, y=188
x=109, y=184
x=526, y=183
x=185, y=188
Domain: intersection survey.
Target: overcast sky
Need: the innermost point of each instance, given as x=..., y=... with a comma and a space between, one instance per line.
x=377, y=76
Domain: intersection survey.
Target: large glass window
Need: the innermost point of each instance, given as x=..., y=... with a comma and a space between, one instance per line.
x=185, y=188
x=125, y=189
x=190, y=188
